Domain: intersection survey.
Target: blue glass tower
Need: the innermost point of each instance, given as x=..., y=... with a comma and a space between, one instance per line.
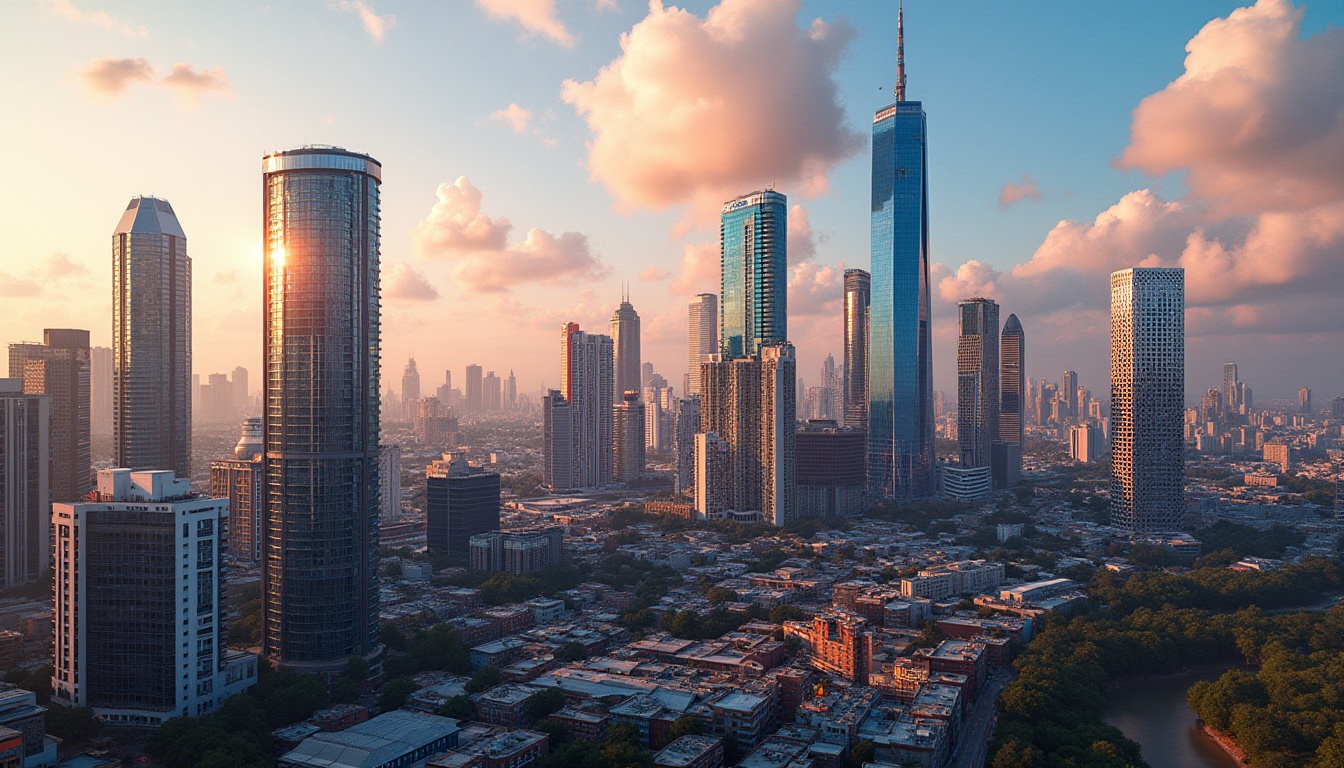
x=755, y=279
x=900, y=367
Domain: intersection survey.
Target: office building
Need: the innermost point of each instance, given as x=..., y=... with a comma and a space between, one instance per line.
x=977, y=381
x=713, y=475
x=100, y=391
x=628, y=439
x=389, y=472
x=461, y=501
x=625, y=348
x=1085, y=443
x=517, y=552
x=214, y=400
x=25, y=484
x=557, y=442
x=704, y=337
x=750, y=404
x=688, y=424
x=511, y=393
x=434, y=424
x=586, y=383
x=858, y=289
x=900, y=365
x=239, y=480
x=1231, y=388
x=1147, y=491
x=492, y=393
x=59, y=367
x=964, y=483
x=1068, y=390
x=151, y=339
x=474, y=393
x=1013, y=389
x=410, y=389
x=391, y=740
x=241, y=393
x=1337, y=408
x=141, y=617
x=322, y=336
x=754, y=276
x=831, y=481
x=1278, y=452
x=1304, y=400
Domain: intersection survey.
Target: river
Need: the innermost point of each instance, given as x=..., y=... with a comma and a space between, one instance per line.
x=1154, y=713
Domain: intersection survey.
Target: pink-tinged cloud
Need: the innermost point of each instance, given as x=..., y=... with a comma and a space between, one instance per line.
x=653, y=274
x=802, y=245
x=515, y=116
x=701, y=264
x=112, y=76
x=403, y=282
x=1256, y=120
x=537, y=17
x=374, y=23
x=1011, y=194
x=457, y=230
x=816, y=289
x=104, y=19
x=16, y=287
x=698, y=110
x=59, y=265
x=195, y=83
x=974, y=278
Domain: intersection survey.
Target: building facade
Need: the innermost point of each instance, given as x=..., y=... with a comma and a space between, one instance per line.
x=704, y=337
x=831, y=482
x=321, y=427
x=977, y=381
x=410, y=389
x=25, y=484
x=151, y=339
x=687, y=425
x=59, y=367
x=475, y=397
x=240, y=481
x=586, y=381
x=1012, y=400
x=461, y=501
x=858, y=292
x=754, y=276
x=557, y=442
x=628, y=440
x=900, y=366
x=625, y=349
x=1147, y=489
x=141, y=620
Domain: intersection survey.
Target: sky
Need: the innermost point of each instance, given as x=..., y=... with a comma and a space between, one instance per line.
x=540, y=154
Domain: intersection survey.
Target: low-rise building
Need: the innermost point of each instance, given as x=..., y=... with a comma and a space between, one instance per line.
x=392, y=740
x=691, y=752
x=505, y=705
x=507, y=749
x=582, y=724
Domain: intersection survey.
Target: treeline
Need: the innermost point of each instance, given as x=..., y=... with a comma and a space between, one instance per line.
x=1050, y=716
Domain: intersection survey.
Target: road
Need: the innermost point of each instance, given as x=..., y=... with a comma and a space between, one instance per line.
x=972, y=750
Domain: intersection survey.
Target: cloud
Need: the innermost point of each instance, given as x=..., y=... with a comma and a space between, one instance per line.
x=1011, y=194
x=112, y=76
x=58, y=265
x=374, y=24
x=816, y=290
x=538, y=17
x=67, y=9
x=15, y=287
x=802, y=245
x=653, y=274
x=458, y=230
x=517, y=117
x=697, y=110
x=971, y=279
x=404, y=282
x=606, y=5
x=701, y=264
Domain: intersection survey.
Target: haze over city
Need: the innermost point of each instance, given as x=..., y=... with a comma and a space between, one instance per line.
x=538, y=156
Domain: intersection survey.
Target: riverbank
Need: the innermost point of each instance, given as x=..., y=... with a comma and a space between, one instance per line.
x=1154, y=712
x=1197, y=670
x=1225, y=742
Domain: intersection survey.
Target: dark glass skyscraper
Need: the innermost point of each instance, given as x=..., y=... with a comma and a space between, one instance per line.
x=151, y=339
x=900, y=366
x=1012, y=400
x=461, y=501
x=977, y=381
x=858, y=289
x=754, y=278
x=321, y=429
x=625, y=343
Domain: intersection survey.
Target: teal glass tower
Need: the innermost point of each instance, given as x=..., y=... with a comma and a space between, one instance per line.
x=900, y=367
x=755, y=278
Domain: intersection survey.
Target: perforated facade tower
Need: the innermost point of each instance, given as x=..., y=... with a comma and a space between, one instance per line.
x=1147, y=399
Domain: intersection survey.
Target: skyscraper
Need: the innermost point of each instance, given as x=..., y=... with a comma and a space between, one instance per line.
x=473, y=394
x=625, y=342
x=858, y=289
x=410, y=389
x=977, y=381
x=1068, y=390
x=1147, y=399
x=704, y=337
x=1304, y=400
x=240, y=481
x=492, y=393
x=900, y=366
x=151, y=339
x=754, y=276
x=140, y=616
x=557, y=441
x=687, y=425
x=1231, y=388
x=511, y=393
x=242, y=396
x=461, y=501
x=25, y=484
x=586, y=381
x=1012, y=398
x=628, y=438
x=59, y=367
x=322, y=339
x=100, y=390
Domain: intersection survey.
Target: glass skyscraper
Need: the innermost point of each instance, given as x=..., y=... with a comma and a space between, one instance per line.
x=900, y=368
x=321, y=422
x=754, y=283
x=858, y=288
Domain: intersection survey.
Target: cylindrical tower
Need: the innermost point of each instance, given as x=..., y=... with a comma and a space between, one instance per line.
x=858, y=289
x=321, y=429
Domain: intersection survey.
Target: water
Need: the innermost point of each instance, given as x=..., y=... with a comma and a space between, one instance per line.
x=1155, y=714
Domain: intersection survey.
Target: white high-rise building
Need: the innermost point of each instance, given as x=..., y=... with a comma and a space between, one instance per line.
x=587, y=383
x=140, y=614
x=1147, y=399
x=704, y=337
x=25, y=484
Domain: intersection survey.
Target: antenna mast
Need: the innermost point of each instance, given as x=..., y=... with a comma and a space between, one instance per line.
x=900, y=52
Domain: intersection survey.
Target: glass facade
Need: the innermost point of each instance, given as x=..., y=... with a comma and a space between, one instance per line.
x=754, y=282
x=321, y=427
x=858, y=288
x=900, y=368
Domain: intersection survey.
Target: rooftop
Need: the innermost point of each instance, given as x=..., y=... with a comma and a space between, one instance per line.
x=372, y=743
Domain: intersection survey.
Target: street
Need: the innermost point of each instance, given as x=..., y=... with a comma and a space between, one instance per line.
x=972, y=748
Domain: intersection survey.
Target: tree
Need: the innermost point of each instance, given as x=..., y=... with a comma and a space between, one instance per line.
x=863, y=752
x=459, y=707
x=571, y=651
x=74, y=724
x=545, y=702
x=486, y=677
x=686, y=725
x=395, y=693
x=720, y=595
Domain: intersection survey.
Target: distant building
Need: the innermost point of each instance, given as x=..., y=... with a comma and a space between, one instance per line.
x=704, y=337
x=1280, y=453
x=1304, y=400
x=240, y=481
x=389, y=470
x=952, y=579
x=687, y=425
x=461, y=501
x=858, y=290
x=965, y=483
x=25, y=484
x=831, y=480
x=625, y=349
x=475, y=396
x=586, y=383
x=557, y=442
x=1012, y=402
x=492, y=393
x=691, y=752
x=1085, y=443
x=977, y=381
x=517, y=552
x=628, y=439
x=59, y=368
x=121, y=621
x=838, y=645
x=410, y=389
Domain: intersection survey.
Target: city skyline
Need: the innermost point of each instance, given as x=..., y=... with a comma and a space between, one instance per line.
x=1234, y=292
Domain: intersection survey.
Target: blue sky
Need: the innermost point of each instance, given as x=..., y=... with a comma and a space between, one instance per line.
x=1042, y=89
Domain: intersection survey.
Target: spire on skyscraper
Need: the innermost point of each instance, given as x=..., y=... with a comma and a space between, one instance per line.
x=900, y=51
